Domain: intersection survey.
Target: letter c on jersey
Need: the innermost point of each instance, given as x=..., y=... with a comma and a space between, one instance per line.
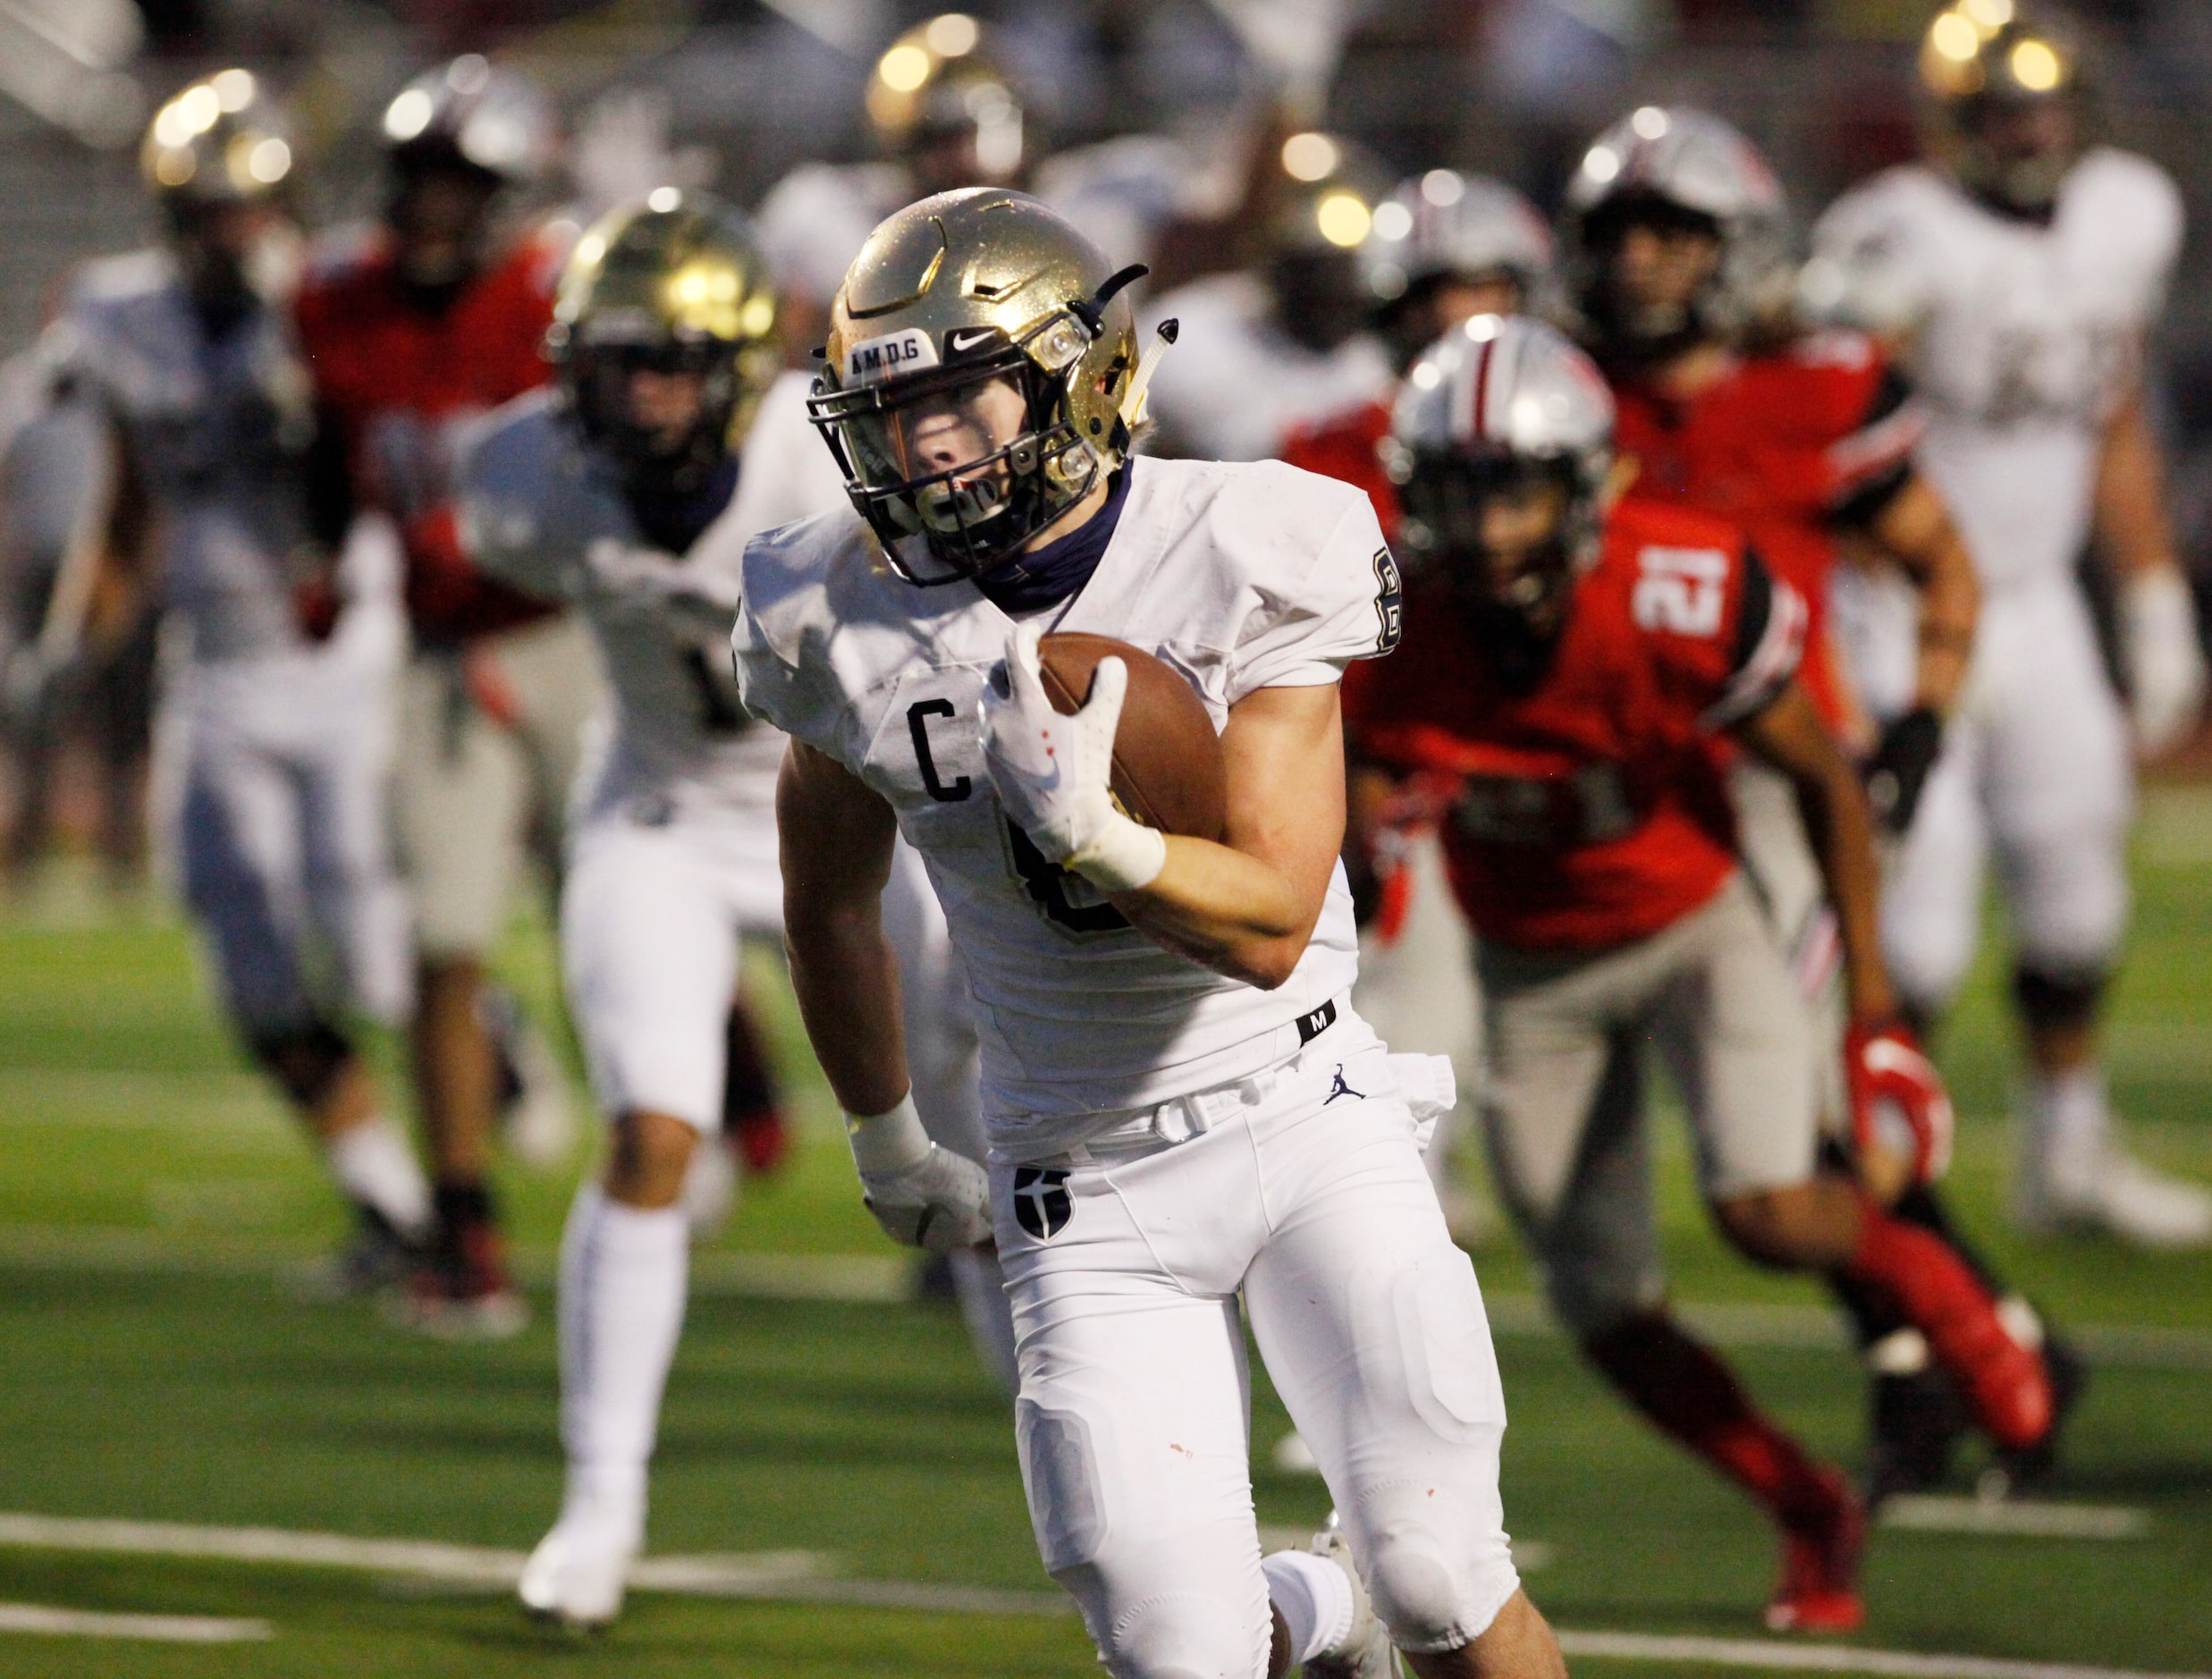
x=1040, y=1202
x=960, y=787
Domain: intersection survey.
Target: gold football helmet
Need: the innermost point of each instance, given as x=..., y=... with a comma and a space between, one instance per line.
x=221, y=140
x=2005, y=83
x=938, y=82
x=978, y=357
x=671, y=284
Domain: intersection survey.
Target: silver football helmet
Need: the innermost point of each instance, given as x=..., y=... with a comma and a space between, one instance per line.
x=470, y=109
x=1493, y=405
x=1675, y=161
x=1446, y=225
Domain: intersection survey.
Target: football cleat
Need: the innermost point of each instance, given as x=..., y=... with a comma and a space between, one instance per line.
x=1918, y=1420
x=462, y=1292
x=2120, y=1197
x=576, y=1576
x=1819, y=1587
x=1365, y=1652
x=2018, y=1474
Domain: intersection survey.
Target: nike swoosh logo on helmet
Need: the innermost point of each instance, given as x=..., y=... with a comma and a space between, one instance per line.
x=957, y=341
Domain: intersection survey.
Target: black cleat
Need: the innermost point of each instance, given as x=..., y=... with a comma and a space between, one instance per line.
x=2017, y=1474
x=1917, y=1419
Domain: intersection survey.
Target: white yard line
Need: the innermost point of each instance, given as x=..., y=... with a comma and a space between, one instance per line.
x=1729, y=1653
x=2026, y=1518
x=160, y=1629
x=784, y=1576
x=806, y=1577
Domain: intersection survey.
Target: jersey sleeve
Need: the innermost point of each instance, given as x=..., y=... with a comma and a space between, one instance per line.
x=1872, y=462
x=1765, y=646
x=1349, y=605
x=504, y=512
x=778, y=643
x=1867, y=270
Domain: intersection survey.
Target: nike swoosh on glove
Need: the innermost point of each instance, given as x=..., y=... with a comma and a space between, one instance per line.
x=940, y=1203
x=1892, y=1086
x=1052, y=773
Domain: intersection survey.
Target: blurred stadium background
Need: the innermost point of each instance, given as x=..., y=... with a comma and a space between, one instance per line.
x=836, y=1489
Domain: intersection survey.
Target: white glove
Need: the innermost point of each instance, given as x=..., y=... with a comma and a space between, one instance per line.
x=2165, y=666
x=1052, y=772
x=924, y=1196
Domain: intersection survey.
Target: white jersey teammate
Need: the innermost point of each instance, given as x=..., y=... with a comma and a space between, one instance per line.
x=278, y=707
x=1182, y=1107
x=2021, y=276
x=624, y=492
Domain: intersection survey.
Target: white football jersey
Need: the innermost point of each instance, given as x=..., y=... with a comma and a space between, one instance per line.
x=1240, y=578
x=2022, y=339
x=217, y=431
x=542, y=510
x=1235, y=385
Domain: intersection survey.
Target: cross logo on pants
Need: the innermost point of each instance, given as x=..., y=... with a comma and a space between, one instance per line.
x=1040, y=1202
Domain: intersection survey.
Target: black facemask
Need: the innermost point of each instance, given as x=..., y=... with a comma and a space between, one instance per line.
x=1518, y=622
x=1627, y=336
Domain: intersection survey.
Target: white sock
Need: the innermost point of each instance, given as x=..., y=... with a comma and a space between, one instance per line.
x=1314, y=1599
x=2069, y=1125
x=981, y=1285
x=372, y=1163
x=623, y=1275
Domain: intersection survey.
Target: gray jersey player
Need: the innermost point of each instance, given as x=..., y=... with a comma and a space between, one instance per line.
x=281, y=700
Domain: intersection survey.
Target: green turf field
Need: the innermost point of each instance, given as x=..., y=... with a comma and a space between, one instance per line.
x=158, y=1364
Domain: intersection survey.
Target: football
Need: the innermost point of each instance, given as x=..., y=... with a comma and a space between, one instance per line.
x=1168, y=773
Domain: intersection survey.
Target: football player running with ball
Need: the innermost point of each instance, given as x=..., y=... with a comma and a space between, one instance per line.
x=630, y=491
x=1182, y=1107
x=1567, y=662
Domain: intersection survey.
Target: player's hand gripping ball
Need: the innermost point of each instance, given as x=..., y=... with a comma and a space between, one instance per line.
x=1901, y=1117
x=1097, y=750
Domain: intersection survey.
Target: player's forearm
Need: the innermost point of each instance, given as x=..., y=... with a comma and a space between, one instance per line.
x=1790, y=736
x=836, y=839
x=1225, y=911
x=1915, y=530
x=847, y=983
x=2132, y=531
x=1842, y=831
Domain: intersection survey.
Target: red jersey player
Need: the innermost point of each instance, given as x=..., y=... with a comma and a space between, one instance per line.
x=1675, y=235
x=1566, y=664
x=411, y=332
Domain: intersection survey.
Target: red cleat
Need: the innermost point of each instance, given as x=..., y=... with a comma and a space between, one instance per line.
x=2006, y=1383
x=1819, y=1587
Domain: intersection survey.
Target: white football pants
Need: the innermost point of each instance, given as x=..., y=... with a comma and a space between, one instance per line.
x=1303, y=1189
x=2035, y=771
x=651, y=918
x=279, y=831
x=1419, y=990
